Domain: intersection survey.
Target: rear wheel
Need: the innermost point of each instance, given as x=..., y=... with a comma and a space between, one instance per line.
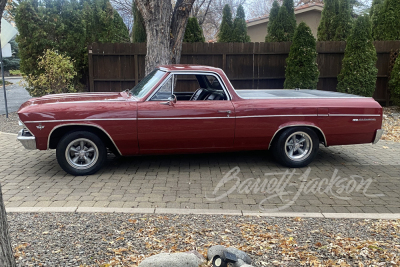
x=296, y=147
x=81, y=153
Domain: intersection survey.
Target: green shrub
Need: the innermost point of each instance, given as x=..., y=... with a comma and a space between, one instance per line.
x=278, y=33
x=138, y=29
x=290, y=23
x=386, y=20
x=328, y=24
x=302, y=69
x=65, y=26
x=272, y=18
x=394, y=82
x=57, y=75
x=193, y=32
x=240, y=27
x=358, y=73
x=13, y=61
x=344, y=21
x=15, y=72
x=226, y=28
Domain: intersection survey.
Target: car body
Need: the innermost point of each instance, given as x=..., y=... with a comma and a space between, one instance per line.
x=165, y=113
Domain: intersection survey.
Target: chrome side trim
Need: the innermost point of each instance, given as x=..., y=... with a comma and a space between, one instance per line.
x=378, y=136
x=268, y=116
x=85, y=101
x=353, y=115
x=29, y=142
x=108, y=119
x=81, y=124
x=186, y=118
x=295, y=125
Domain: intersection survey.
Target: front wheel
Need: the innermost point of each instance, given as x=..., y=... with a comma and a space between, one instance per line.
x=81, y=153
x=296, y=147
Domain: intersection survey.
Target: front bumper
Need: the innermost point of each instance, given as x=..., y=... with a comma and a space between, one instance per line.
x=378, y=136
x=27, y=139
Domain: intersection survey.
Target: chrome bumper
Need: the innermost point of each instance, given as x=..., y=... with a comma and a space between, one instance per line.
x=27, y=139
x=378, y=136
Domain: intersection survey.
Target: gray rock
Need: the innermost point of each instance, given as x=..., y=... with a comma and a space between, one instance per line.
x=239, y=263
x=171, y=260
x=197, y=254
x=239, y=254
x=215, y=250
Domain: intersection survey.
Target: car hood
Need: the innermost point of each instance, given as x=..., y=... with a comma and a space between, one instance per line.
x=77, y=97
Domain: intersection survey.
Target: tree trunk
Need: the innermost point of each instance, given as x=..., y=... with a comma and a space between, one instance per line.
x=165, y=29
x=6, y=252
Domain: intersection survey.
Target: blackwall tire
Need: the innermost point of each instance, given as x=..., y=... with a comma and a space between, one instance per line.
x=81, y=153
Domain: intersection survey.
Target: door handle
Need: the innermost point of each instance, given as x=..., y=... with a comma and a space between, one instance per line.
x=228, y=112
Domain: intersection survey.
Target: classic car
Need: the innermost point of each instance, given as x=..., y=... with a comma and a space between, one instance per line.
x=194, y=109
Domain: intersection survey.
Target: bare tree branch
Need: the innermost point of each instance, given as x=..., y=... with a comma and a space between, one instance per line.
x=178, y=26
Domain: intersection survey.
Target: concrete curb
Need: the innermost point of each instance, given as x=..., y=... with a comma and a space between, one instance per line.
x=385, y=216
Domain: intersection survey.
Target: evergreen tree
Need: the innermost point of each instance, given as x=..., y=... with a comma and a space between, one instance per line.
x=138, y=29
x=394, y=83
x=226, y=28
x=282, y=28
x=386, y=20
x=193, y=33
x=302, y=69
x=373, y=13
x=358, y=73
x=344, y=21
x=272, y=18
x=240, y=27
x=67, y=27
x=328, y=24
x=291, y=24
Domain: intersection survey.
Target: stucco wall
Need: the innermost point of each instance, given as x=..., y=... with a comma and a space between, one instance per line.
x=258, y=32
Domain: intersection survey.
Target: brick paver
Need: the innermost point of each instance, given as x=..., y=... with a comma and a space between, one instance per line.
x=34, y=179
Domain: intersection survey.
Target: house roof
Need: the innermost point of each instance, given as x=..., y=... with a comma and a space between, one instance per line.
x=297, y=10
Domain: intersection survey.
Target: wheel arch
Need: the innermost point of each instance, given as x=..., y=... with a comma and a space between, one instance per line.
x=316, y=129
x=60, y=130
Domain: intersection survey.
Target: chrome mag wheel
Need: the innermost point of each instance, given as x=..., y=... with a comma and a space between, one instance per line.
x=82, y=153
x=298, y=146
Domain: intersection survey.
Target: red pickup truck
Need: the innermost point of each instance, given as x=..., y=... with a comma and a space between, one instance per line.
x=194, y=109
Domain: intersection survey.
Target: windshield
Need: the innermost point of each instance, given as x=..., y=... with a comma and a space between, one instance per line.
x=145, y=85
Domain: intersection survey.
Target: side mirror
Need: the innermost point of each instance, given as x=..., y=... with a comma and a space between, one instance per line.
x=171, y=101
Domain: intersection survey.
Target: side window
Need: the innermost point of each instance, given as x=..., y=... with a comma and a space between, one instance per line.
x=165, y=91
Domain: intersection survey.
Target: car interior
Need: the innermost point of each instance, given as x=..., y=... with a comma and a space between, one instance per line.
x=191, y=88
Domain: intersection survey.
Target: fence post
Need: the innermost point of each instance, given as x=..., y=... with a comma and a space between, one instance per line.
x=91, y=73
x=136, y=69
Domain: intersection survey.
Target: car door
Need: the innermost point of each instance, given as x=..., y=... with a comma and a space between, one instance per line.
x=184, y=125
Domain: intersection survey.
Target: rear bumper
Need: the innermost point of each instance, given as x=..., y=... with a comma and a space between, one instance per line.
x=27, y=139
x=378, y=136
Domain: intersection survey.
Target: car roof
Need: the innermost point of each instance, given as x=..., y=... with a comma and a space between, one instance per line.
x=187, y=67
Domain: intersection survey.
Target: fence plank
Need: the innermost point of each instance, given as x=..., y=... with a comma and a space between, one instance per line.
x=115, y=67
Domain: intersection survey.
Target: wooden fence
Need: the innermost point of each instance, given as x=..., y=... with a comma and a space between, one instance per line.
x=116, y=67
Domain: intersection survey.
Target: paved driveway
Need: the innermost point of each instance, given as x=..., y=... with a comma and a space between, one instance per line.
x=360, y=178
